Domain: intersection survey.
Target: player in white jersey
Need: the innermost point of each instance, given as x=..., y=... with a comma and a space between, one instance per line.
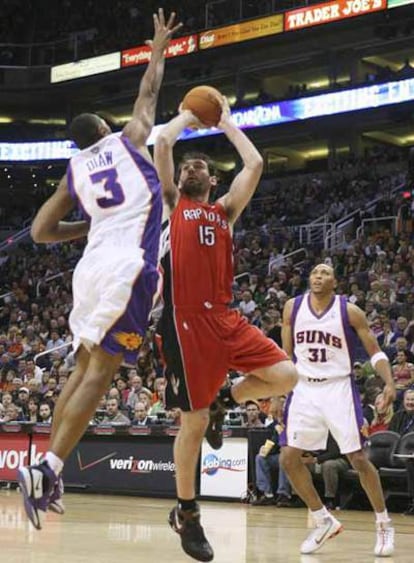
x=115, y=183
x=318, y=332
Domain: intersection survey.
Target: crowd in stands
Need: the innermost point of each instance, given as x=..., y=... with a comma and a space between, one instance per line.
x=375, y=271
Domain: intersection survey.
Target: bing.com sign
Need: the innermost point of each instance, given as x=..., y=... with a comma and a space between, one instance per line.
x=212, y=464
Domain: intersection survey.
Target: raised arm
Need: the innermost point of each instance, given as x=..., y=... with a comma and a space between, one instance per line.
x=287, y=336
x=143, y=113
x=378, y=359
x=245, y=183
x=163, y=154
x=48, y=226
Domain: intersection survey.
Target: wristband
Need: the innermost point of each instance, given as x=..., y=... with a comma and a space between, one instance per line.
x=377, y=357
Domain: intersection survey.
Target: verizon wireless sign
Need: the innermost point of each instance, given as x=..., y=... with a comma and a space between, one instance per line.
x=331, y=11
x=142, y=54
x=14, y=454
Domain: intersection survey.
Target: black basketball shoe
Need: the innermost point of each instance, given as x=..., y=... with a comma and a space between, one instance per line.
x=214, y=432
x=193, y=541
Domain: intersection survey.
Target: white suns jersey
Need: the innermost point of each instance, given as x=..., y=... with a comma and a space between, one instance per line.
x=118, y=191
x=322, y=343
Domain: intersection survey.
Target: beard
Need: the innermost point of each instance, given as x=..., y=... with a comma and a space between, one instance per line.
x=193, y=187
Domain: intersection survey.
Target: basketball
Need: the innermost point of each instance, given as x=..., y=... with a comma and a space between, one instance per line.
x=204, y=102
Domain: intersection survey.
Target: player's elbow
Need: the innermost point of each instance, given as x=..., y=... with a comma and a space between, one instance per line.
x=38, y=233
x=256, y=163
x=163, y=144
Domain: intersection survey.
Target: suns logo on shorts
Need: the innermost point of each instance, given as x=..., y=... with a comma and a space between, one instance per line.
x=129, y=340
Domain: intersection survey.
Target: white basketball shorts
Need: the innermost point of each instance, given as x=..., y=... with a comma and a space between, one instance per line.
x=316, y=407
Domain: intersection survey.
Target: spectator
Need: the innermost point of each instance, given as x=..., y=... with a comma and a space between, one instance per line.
x=141, y=417
x=253, y=418
x=113, y=415
x=382, y=417
x=267, y=464
x=12, y=414
x=33, y=410
x=403, y=420
x=403, y=371
x=45, y=413
x=247, y=304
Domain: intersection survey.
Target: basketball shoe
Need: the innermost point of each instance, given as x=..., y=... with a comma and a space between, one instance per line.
x=384, y=546
x=193, y=541
x=55, y=501
x=37, y=483
x=325, y=530
x=214, y=432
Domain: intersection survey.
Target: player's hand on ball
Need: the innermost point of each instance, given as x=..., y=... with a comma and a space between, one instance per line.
x=193, y=121
x=225, y=111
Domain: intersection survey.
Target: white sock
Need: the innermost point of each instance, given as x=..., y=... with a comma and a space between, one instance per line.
x=55, y=463
x=268, y=495
x=320, y=515
x=382, y=517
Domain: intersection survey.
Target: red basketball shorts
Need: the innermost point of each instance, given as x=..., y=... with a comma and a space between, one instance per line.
x=200, y=348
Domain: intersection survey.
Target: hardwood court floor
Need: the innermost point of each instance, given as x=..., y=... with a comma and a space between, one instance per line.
x=111, y=529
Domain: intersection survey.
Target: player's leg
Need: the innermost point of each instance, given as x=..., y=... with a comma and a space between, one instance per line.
x=300, y=477
x=185, y=516
x=82, y=360
x=342, y=409
x=270, y=371
x=39, y=482
x=370, y=482
x=192, y=382
x=82, y=404
x=305, y=430
x=275, y=380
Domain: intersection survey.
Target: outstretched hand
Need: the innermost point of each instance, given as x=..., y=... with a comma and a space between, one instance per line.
x=162, y=31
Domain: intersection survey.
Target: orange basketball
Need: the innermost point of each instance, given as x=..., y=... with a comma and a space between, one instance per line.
x=204, y=102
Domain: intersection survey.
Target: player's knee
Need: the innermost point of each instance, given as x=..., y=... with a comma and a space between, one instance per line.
x=289, y=459
x=194, y=423
x=287, y=376
x=360, y=462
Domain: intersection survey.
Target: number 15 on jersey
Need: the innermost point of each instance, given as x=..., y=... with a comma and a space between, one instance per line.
x=207, y=235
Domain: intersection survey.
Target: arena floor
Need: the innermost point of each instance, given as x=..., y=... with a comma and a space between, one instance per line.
x=101, y=529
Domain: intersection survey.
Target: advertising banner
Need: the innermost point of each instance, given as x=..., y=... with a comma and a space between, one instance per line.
x=85, y=67
x=330, y=11
x=142, y=54
x=223, y=473
x=14, y=454
x=253, y=29
x=143, y=465
x=397, y=3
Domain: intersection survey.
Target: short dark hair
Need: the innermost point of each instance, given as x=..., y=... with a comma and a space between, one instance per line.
x=198, y=156
x=84, y=129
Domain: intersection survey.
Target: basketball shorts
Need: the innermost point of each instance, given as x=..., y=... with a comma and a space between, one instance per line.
x=316, y=407
x=200, y=348
x=113, y=293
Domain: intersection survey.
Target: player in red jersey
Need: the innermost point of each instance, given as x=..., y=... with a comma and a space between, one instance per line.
x=202, y=337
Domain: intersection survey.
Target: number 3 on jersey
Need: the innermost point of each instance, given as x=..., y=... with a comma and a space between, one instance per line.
x=114, y=194
x=207, y=235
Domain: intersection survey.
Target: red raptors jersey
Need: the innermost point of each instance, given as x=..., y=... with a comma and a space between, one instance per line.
x=201, y=255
